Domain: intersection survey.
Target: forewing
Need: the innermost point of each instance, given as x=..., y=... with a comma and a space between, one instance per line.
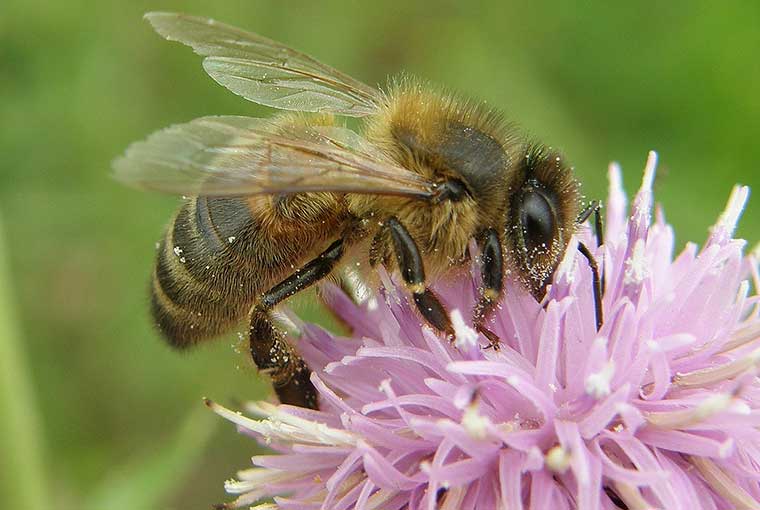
x=265, y=71
x=248, y=156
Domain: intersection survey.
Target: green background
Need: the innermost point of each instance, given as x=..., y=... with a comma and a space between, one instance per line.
x=95, y=411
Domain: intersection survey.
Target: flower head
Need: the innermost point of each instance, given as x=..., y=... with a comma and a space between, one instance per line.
x=660, y=408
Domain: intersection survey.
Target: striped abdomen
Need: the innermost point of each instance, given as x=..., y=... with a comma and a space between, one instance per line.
x=219, y=254
x=199, y=286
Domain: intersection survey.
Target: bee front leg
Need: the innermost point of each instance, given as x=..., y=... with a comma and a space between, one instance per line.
x=492, y=282
x=289, y=373
x=412, y=271
x=595, y=208
x=598, y=280
x=597, y=283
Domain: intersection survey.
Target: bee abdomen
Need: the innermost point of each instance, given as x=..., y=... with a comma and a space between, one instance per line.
x=201, y=286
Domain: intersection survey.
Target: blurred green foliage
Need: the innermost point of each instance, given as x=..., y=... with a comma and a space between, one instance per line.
x=114, y=407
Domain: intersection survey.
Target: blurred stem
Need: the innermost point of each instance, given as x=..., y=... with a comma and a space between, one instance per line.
x=23, y=483
x=152, y=477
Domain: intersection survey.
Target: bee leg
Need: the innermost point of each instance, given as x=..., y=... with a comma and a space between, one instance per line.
x=587, y=211
x=413, y=272
x=595, y=208
x=599, y=227
x=271, y=353
x=597, y=284
x=492, y=279
x=378, y=249
x=290, y=375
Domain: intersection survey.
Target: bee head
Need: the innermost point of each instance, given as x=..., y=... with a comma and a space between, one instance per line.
x=541, y=214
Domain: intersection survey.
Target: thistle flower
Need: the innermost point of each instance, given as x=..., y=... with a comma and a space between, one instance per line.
x=658, y=409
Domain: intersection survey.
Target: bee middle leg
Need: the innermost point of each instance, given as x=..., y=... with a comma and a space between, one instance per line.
x=412, y=271
x=270, y=351
x=492, y=282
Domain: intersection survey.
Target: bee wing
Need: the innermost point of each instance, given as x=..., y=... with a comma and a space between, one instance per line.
x=247, y=156
x=265, y=71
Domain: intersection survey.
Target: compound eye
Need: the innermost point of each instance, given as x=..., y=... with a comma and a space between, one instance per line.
x=538, y=221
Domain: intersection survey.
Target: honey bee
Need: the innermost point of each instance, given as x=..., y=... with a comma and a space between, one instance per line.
x=279, y=204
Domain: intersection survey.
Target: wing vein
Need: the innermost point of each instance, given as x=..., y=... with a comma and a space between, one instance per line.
x=245, y=156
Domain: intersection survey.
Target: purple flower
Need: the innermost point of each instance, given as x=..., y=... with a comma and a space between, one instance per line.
x=659, y=409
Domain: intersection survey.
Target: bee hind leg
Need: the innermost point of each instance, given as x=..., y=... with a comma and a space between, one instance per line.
x=270, y=351
x=412, y=271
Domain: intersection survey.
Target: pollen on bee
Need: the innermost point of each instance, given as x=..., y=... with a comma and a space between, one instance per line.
x=491, y=294
x=178, y=252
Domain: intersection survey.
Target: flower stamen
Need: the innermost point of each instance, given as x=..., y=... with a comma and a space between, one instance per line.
x=598, y=383
x=712, y=375
x=280, y=425
x=711, y=406
x=558, y=459
x=631, y=496
x=723, y=484
x=475, y=423
x=742, y=337
x=464, y=336
x=637, y=266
